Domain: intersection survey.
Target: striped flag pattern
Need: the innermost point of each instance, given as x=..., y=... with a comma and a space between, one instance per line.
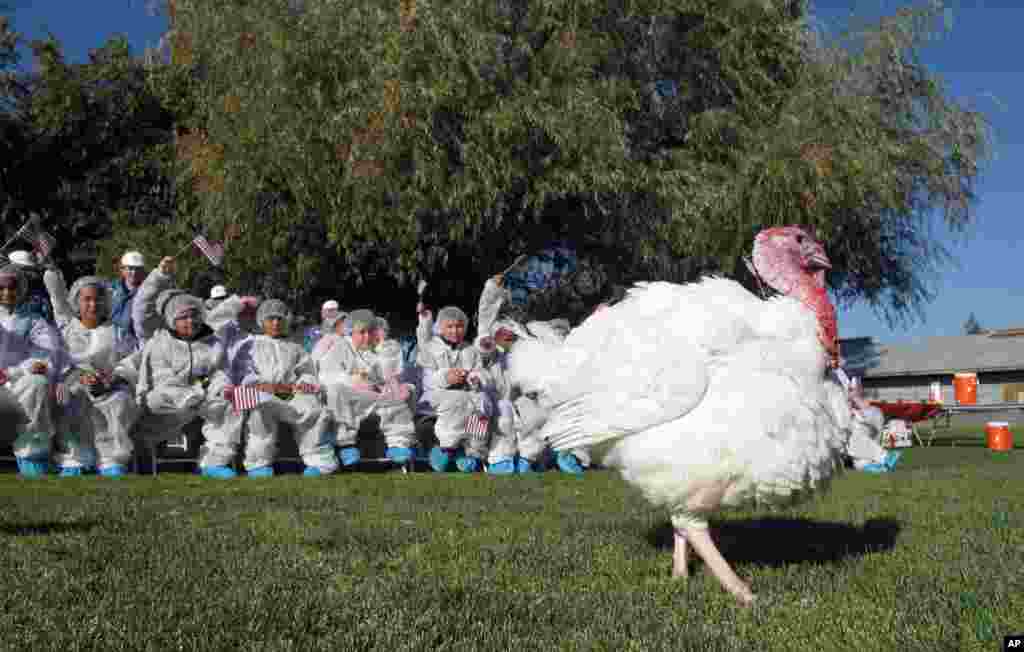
x=477, y=425
x=214, y=252
x=247, y=397
x=43, y=243
x=33, y=232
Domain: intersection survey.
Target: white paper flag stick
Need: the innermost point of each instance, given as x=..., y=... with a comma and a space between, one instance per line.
x=519, y=261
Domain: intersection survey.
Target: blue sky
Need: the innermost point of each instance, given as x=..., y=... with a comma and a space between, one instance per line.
x=976, y=59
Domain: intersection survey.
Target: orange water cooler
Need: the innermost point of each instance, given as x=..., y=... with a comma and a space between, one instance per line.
x=965, y=388
x=998, y=436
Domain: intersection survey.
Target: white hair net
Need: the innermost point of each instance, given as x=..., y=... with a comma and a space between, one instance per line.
x=328, y=325
x=361, y=317
x=104, y=297
x=451, y=313
x=509, y=325
x=273, y=308
x=174, y=303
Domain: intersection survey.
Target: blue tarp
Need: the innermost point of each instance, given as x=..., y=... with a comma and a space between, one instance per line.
x=540, y=271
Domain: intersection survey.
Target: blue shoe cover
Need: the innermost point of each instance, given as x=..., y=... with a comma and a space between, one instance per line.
x=399, y=455
x=349, y=456
x=440, y=458
x=113, y=471
x=32, y=468
x=875, y=468
x=891, y=459
x=312, y=472
x=217, y=471
x=568, y=463
x=504, y=467
x=70, y=471
x=261, y=472
x=467, y=464
x=524, y=465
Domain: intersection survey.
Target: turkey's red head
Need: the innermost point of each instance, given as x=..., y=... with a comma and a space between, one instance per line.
x=785, y=249
x=792, y=261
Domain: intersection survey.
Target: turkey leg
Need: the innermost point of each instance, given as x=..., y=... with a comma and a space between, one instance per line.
x=701, y=541
x=679, y=560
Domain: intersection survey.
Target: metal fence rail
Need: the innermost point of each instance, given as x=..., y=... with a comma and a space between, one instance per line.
x=983, y=407
x=945, y=415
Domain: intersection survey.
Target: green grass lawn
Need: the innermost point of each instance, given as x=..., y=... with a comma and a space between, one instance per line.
x=927, y=558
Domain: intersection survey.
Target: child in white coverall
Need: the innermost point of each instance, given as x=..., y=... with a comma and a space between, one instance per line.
x=523, y=431
x=285, y=376
x=359, y=382
x=97, y=421
x=182, y=374
x=451, y=391
x=30, y=360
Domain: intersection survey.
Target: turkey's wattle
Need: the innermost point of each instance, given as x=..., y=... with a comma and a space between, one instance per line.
x=829, y=328
x=791, y=261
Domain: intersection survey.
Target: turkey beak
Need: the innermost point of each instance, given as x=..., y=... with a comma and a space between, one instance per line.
x=817, y=259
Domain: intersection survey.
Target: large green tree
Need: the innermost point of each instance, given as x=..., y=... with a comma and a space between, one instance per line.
x=89, y=148
x=365, y=144
x=409, y=138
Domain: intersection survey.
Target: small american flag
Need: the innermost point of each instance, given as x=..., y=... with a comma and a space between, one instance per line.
x=43, y=243
x=477, y=425
x=213, y=251
x=60, y=393
x=247, y=397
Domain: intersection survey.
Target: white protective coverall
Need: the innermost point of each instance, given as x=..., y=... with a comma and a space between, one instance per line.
x=413, y=374
x=863, y=445
x=264, y=359
x=98, y=423
x=26, y=403
x=452, y=405
x=225, y=321
x=508, y=438
x=329, y=335
x=353, y=382
x=182, y=379
x=520, y=414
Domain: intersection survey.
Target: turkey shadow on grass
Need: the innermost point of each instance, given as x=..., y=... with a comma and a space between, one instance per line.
x=782, y=541
x=46, y=528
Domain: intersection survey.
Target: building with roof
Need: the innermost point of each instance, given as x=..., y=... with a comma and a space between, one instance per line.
x=892, y=372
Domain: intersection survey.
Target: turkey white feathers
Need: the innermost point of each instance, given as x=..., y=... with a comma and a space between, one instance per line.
x=704, y=395
x=647, y=359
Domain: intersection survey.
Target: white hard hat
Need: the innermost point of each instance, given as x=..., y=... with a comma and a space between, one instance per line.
x=330, y=305
x=218, y=292
x=133, y=259
x=22, y=258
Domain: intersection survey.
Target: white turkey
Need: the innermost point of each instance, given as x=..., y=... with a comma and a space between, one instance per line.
x=704, y=395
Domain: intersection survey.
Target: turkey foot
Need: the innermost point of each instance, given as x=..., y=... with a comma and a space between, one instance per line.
x=701, y=541
x=679, y=560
